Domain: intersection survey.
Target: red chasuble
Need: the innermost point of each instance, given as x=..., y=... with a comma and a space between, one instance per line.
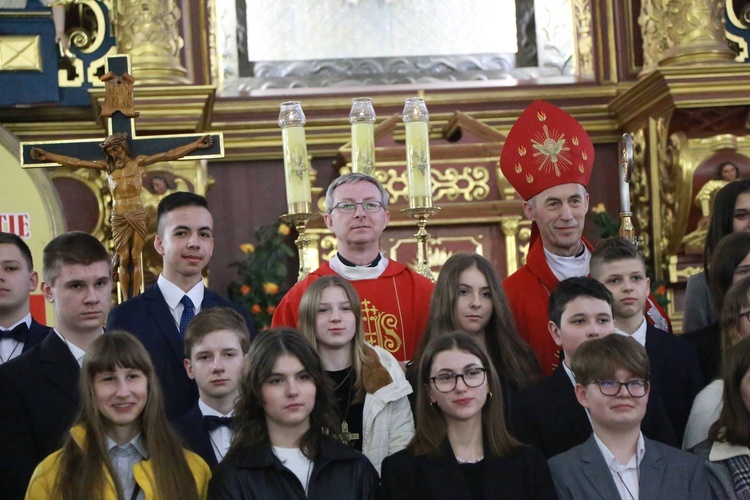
x=395, y=307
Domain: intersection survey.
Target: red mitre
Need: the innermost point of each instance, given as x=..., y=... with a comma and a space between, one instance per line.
x=545, y=148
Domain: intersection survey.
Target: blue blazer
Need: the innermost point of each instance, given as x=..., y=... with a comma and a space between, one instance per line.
x=147, y=316
x=666, y=473
x=676, y=373
x=38, y=402
x=548, y=417
x=192, y=431
x=37, y=333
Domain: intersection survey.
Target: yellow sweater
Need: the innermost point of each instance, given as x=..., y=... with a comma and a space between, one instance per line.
x=45, y=474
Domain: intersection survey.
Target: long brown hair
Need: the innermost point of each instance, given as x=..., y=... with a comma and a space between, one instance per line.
x=736, y=300
x=251, y=429
x=431, y=428
x=733, y=425
x=512, y=357
x=308, y=312
x=81, y=473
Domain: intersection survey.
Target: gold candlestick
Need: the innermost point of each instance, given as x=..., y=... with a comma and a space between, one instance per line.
x=300, y=220
x=422, y=236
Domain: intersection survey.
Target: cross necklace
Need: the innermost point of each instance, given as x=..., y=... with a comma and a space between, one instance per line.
x=348, y=436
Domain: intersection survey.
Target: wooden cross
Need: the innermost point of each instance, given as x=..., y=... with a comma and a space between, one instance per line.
x=125, y=158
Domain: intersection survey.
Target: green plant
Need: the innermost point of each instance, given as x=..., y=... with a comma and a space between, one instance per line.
x=605, y=224
x=262, y=268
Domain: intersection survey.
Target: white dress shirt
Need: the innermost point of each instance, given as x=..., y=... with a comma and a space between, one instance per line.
x=639, y=335
x=173, y=295
x=10, y=348
x=221, y=437
x=626, y=477
x=76, y=351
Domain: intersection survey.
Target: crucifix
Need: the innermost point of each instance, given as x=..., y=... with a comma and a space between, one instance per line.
x=124, y=157
x=348, y=437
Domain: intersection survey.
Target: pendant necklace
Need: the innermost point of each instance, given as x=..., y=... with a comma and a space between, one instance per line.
x=348, y=436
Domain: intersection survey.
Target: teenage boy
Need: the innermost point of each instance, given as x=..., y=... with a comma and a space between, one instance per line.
x=159, y=316
x=216, y=342
x=547, y=415
x=39, y=390
x=674, y=364
x=19, y=332
x=617, y=461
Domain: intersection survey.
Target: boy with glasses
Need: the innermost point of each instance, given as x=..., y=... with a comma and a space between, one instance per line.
x=617, y=461
x=395, y=299
x=547, y=415
x=674, y=365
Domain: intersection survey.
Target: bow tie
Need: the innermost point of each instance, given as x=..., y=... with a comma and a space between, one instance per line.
x=212, y=422
x=18, y=333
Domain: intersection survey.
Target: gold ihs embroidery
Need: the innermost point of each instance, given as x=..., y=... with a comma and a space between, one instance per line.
x=380, y=328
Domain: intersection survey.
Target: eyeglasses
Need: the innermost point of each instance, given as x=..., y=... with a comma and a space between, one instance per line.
x=746, y=315
x=349, y=207
x=446, y=382
x=636, y=388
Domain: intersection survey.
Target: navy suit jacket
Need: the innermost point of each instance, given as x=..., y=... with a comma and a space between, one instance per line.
x=190, y=427
x=675, y=371
x=664, y=473
x=147, y=316
x=37, y=333
x=38, y=403
x=548, y=417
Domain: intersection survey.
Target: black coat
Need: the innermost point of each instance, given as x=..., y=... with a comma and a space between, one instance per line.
x=676, y=373
x=148, y=317
x=339, y=473
x=190, y=427
x=38, y=403
x=548, y=417
x=707, y=343
x=522, y=474
x=37, y=333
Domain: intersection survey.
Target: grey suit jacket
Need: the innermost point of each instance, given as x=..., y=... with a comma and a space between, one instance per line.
x=665, y=473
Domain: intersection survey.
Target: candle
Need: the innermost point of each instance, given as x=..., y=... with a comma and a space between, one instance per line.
x=362, y=118
x=296, y=170
x=416, y=119
x=626, y=167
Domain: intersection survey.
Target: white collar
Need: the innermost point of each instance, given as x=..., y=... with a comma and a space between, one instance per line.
x=26, y=319
x=615, y=464
x=569, y=373
x=173, y=294
x=208, y=411
x=358, y=272
x=76, y=351
x=639, y=335
x=569, y=267
x=723, y=451
x=137, y=443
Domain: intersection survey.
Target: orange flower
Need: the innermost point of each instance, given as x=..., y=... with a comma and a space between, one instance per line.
x=271, y=288
x=599, y=209
x=247, y=248
x=662, y=290
x=255, y=309
x=270, y=309
x=244, y=289
x=284, y=229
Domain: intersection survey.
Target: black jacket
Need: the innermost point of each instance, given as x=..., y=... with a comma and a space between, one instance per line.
x=524, y=474
x=339, y=472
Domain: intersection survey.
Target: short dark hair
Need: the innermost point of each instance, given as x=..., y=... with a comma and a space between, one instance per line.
x=731, y=250
x=570, y=289
x=213, y=319
x=601, y=358
x=17, y=241
x=611, y=250
x=354, y=178
x=75, y=247
x=177, y=200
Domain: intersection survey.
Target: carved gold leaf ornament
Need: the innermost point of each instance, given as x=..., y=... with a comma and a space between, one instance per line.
x=552, y=155
x=452, y=184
